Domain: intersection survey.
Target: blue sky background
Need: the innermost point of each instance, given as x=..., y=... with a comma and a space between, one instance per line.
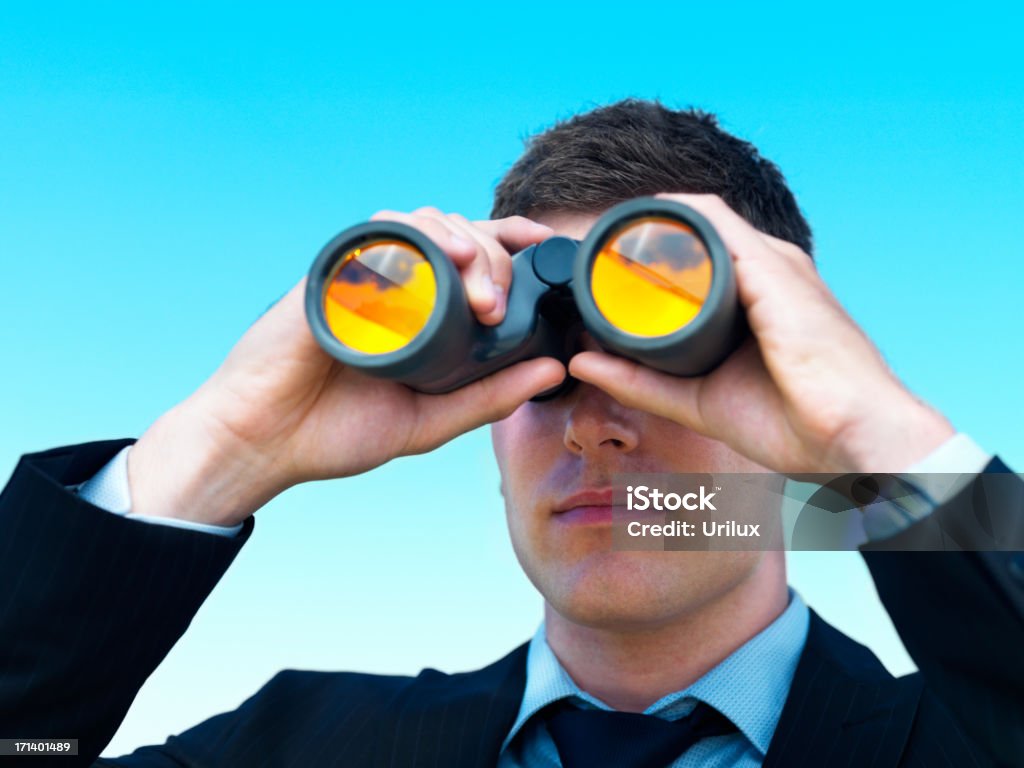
x=167, y=173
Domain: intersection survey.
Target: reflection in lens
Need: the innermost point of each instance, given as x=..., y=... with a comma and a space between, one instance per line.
x=651, y=277
x=380, y=296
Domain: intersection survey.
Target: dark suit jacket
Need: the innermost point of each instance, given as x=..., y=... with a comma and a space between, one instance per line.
x=91, y=603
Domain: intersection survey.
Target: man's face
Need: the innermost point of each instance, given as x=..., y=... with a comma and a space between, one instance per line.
x=551, y=452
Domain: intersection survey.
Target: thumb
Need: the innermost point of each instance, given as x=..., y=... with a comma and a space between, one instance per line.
x=645, y=389
x=442, y=417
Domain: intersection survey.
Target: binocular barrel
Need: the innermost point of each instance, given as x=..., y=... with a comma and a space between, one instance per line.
x=652, y=282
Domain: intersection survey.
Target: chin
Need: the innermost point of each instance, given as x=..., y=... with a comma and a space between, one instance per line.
x=620, y=590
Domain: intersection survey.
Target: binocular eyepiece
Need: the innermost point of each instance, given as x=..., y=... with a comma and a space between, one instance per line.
x=652, y=282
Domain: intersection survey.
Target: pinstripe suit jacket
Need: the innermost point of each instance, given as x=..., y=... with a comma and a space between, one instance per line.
x=91, y=603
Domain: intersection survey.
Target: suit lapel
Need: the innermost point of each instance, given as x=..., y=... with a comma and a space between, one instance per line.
x=455, y=721
x=844, y=708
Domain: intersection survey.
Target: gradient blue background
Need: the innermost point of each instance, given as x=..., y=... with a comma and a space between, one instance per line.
x=166, y=174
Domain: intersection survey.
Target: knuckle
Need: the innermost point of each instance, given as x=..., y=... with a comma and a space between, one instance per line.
x=474, y=267
x=790, y=249
x=435, y=231
x=794, y=253
x=803, y=261
x=496, y=250
x=425, y=222
x=428, y=210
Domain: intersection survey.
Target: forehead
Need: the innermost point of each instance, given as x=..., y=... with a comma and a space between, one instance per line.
x=574, y=225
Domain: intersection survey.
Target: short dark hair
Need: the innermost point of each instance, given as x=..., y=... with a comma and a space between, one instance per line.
x=636, y=147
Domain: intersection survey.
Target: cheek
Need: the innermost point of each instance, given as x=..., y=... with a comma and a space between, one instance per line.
x=507, y=437
x=675, y=448
x=504, y=437
x=526, y=439
x=527, y=448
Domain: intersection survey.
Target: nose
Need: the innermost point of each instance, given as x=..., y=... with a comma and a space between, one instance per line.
x=597, y=423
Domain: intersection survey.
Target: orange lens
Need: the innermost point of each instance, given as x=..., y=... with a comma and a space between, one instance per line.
x=651, y=277
x=380, y=296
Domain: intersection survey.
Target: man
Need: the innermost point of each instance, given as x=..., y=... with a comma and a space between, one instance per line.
x=729, y=667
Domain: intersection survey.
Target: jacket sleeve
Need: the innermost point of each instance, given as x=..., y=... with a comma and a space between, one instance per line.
x=960, y=612
x=91, y=602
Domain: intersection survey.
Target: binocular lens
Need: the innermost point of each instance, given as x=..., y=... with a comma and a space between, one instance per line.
x=379, y=296
x=651, y=277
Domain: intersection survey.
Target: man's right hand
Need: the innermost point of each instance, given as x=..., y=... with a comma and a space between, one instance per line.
x=280, y=411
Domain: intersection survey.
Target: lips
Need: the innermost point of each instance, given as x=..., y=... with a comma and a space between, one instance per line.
x=597, y=497
x=586, y=507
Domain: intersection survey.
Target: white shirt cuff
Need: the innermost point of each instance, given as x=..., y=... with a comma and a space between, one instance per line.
x=946, y=470
x=108, y=489
x=925, y=485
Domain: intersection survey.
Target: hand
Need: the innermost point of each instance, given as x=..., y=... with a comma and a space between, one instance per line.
x=280, y=411
x=809, y=393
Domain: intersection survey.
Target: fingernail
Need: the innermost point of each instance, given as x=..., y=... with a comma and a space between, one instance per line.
x=499, y=307
x=487, y=288
x=461, y=243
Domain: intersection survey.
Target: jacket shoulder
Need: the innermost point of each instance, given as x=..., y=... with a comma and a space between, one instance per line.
x=297, y=712
x=353, y=719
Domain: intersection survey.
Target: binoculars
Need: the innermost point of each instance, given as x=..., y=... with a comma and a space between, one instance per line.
x=652, y=282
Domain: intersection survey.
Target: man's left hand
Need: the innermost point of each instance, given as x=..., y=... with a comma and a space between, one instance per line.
x=809, y=393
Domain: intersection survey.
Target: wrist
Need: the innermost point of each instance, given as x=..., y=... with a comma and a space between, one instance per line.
x=892, y=437
x=188, y=468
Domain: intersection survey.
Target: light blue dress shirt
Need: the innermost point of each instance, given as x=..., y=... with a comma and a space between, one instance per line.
x=749, y=687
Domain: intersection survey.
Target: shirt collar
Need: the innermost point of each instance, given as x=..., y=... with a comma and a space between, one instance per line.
x=749, y=686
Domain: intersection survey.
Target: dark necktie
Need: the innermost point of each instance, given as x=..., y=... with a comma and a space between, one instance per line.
x=595, y=738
